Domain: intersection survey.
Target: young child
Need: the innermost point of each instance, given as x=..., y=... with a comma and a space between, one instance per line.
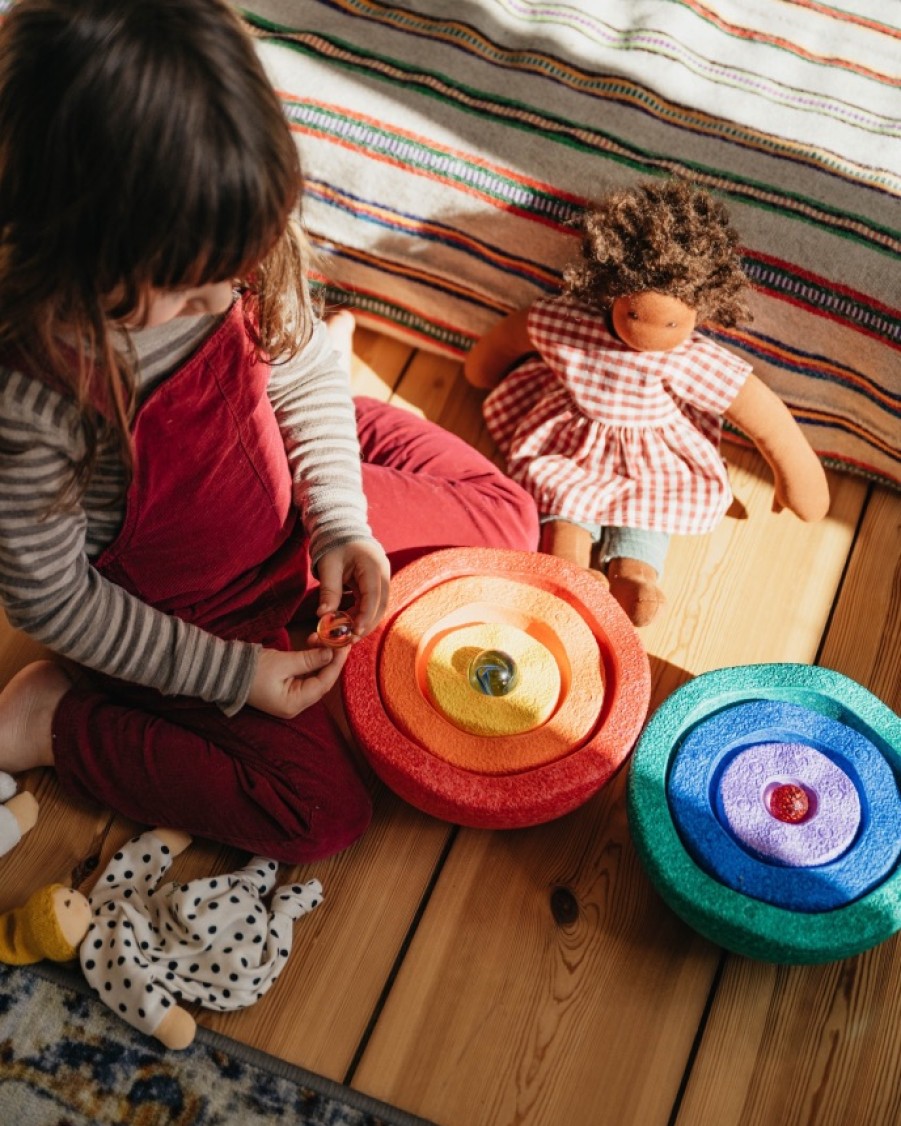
x=615, y=426
x=182, y=470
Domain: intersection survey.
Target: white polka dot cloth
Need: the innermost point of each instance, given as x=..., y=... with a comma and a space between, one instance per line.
x=212, y=941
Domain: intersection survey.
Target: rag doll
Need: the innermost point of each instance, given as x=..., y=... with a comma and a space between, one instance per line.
x=144, y=946
x=608, y=404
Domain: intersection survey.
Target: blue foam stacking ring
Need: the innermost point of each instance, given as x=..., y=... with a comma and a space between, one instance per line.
x=857, y=807
x=764, y=804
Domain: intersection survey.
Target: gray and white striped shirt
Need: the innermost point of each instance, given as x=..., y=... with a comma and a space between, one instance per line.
x=48, y=587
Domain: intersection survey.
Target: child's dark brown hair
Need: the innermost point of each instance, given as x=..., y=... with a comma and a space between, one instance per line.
x=663, y=236
x=141, y=146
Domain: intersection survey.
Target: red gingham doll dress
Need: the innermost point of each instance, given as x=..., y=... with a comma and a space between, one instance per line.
x=601, y=433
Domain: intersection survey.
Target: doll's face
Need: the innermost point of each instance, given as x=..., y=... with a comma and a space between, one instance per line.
x=73, y=913
x=652, y=322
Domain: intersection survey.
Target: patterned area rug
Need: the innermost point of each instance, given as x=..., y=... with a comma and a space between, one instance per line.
x=65, y=1060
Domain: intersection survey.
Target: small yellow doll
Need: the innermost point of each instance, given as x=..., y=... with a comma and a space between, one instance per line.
x=50, y=924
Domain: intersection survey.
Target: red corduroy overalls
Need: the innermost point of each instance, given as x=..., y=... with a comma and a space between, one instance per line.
x=210, y=535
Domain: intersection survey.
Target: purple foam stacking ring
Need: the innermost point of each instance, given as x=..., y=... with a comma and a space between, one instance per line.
x=790, y=804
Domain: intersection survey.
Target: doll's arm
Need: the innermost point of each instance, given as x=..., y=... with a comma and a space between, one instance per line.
x=142, y=861
x=799, y=479
x=177, y=1029
x=259, y=873
x=176, y=840
x=493, y=354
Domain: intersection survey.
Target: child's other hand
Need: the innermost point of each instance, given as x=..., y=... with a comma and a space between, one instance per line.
x=363, y=567
x=286, y=683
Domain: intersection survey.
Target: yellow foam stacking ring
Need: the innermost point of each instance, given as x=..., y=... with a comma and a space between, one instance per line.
x=526, y=706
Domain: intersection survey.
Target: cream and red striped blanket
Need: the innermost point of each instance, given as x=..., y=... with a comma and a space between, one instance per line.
x=448, y=145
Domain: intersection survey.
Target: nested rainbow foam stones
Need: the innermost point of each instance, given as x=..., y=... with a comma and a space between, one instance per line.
x=764, y=801
x=575, y=692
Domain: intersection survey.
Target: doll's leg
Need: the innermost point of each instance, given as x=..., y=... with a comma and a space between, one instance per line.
x=566, y=540
x=279, y=788
x=634, y=561
x=428, y=489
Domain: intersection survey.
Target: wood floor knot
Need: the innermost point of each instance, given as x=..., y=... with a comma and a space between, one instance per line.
x=564, y=906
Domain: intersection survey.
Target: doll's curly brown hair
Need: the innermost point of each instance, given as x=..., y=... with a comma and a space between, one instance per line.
x=669, y=237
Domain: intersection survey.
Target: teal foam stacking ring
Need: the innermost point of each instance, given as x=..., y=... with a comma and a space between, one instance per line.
x=870, y=908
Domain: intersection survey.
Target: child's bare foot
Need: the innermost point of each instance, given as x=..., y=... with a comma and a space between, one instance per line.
x=634, y=586
x=27, y=706
x=341, y=327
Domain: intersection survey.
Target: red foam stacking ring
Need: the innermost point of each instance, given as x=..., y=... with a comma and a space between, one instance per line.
x=543, y=746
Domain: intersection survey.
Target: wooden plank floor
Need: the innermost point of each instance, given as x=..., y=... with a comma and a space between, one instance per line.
x=441, y=973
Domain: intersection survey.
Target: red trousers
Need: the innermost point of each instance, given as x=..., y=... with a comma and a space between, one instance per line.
x=283, y=788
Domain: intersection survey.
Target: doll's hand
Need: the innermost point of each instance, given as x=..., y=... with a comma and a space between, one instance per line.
x=363, y=567
x=799, y=480
x=807, y=497
x=286, y=683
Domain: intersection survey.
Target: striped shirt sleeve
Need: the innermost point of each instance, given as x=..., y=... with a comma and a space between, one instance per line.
x=312, y=401
x=49, y=588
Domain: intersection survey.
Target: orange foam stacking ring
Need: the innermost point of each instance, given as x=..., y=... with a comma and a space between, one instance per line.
x=567, y=723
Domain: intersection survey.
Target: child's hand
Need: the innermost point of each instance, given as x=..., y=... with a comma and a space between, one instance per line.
x=286, y=683
x=363, y=567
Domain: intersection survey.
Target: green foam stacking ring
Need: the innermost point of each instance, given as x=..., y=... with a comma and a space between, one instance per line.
x=693, y=728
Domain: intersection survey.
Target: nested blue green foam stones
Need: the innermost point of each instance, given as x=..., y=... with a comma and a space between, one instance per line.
x=764, y=803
